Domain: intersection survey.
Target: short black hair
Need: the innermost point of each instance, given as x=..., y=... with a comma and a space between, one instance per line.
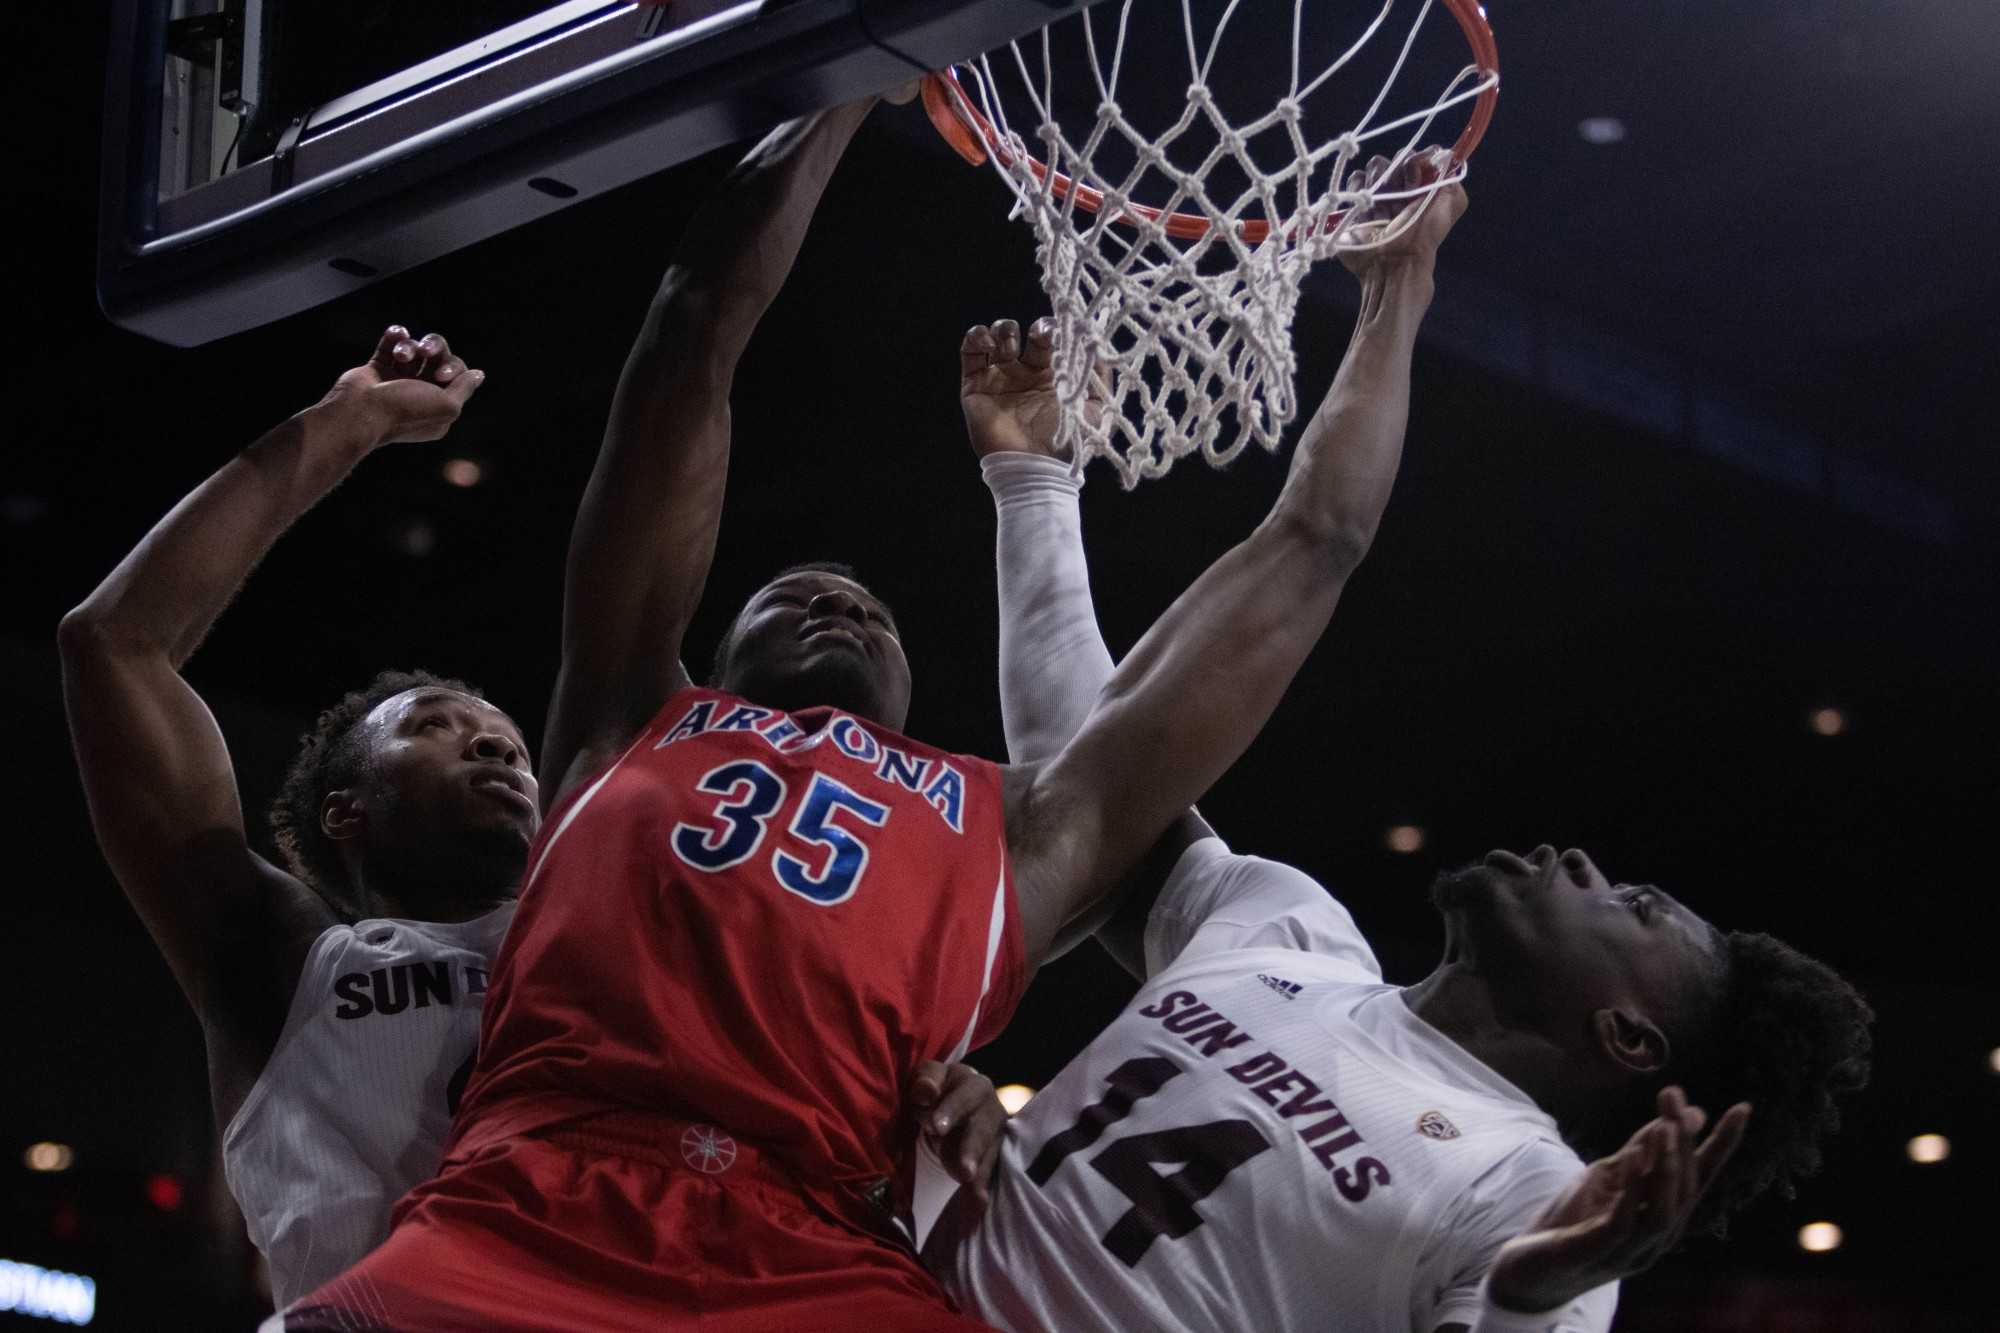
x=1790, y=1036
x=331, y=756
x=720, y=662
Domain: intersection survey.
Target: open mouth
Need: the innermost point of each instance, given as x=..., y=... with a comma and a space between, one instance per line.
x=505, y=789
x=834, y=630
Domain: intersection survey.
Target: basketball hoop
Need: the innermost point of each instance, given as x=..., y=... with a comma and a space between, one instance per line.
x=1182, y=308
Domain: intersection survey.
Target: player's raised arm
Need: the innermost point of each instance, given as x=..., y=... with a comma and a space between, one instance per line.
x=161, y=787
x=645, y=532
x=1053, y=660
x=1188, y=700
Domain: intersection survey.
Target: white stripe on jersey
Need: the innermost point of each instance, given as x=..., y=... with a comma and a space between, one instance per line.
x=354, y=1105
x=1267, y=1138
x=996, y=930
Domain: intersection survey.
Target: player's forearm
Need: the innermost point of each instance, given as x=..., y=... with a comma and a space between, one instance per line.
x=737, y=252
x=646, y=527
x=1053, y=662
x=1189, y=699
x=1349, y=453
x=168, y=593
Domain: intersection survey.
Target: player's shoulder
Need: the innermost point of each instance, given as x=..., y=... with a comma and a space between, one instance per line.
x=1521, y=1171
x=1294, y=973
x=390, y=940
x=1218, y=901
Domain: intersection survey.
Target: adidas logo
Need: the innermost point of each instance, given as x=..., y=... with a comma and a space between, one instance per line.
x=1288, y=989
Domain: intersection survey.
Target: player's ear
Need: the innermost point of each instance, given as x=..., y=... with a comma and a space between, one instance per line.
x=1631, y=1041
x=341, y=814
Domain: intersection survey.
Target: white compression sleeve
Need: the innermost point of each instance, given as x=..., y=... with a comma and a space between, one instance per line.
x=1053, y=661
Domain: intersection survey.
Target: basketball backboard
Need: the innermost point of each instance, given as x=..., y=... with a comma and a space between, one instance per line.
x=244, y=181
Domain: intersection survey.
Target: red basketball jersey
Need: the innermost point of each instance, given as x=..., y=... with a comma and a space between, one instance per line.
x=756, y=919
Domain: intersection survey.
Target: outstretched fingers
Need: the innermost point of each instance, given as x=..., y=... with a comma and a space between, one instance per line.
x=1040, y=348
x=976, y=349
x=1720, y=1146
x=1007, y=339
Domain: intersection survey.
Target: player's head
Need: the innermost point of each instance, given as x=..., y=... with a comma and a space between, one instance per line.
x=815, y=635
x=1637, y=992
x=414, y=781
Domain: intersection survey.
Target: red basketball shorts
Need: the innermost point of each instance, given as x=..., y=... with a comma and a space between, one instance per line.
x=576, y=1229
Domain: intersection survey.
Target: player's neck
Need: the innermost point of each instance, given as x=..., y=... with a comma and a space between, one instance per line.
x=384, y=895
x=1458, y=1002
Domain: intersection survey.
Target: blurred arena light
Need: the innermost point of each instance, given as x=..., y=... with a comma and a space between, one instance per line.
x=1829, y=721
x=463, y=472
x=1014, y=1096
x=47, y=1293
x=1820, y=1237
x=1601, y=130
x=1403, y=839
x=48, y=1157
x=1993, y=1059
x=416, y=538
x=163, y=1191
x=1925, y=1149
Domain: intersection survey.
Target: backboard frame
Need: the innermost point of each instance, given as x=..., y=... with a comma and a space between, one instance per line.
x=588, y=96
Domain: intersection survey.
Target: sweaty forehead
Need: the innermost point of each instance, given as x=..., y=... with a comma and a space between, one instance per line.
x=397, y=707
x=812, y=582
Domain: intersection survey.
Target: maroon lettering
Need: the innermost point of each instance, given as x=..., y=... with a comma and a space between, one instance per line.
x=1169, y=1002
x=1291, y=1078
x=1354, y=1184
x=1257, y=1067
x=1326, y=1126
x=1334, y=1147
x=1189, y=1019
x=1221, y=1037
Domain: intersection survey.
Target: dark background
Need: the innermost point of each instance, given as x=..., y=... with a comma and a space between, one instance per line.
x=1701, y=444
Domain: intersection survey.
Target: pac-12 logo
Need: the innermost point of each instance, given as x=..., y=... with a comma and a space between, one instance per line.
x=1433, y=1125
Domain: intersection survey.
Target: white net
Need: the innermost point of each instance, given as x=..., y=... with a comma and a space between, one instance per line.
x=1173, y=297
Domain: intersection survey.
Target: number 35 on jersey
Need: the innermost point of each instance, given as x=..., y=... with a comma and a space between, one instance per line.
x=813, y=843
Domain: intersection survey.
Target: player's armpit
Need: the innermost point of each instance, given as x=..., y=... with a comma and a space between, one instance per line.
x=1120, y=919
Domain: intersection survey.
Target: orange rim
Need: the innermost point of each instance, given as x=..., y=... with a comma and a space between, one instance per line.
x=974, y=139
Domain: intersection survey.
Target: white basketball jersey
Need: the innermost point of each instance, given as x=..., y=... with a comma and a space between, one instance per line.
x=355, y=1103
x=1267, y=1138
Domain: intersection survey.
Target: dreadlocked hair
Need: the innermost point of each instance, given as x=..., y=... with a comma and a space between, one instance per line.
x=720, y=662
x=1789, y=1036
x=331, y=756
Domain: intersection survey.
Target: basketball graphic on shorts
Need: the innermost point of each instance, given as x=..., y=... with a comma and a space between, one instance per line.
x=707, y=1149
